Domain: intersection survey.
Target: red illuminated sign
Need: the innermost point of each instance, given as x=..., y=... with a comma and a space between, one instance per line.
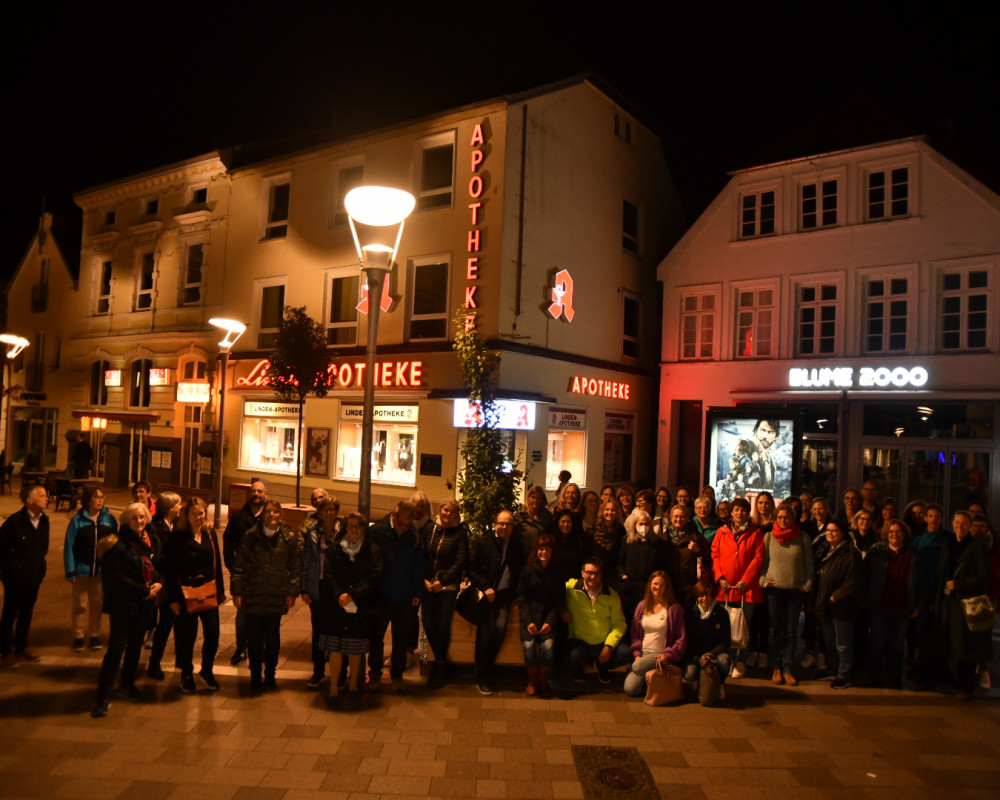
x=562, y=296
x=476, y=186
x=600, y=388
x=387, y=299
x=388, y=374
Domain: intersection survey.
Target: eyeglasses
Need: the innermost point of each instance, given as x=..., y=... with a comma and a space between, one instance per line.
x=592, y=573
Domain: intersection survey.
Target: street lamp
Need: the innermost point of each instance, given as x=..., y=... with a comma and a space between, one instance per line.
x=233, y=331
x=16, y=344
x=374, y=207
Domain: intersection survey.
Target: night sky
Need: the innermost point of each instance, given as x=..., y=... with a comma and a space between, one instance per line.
x=99, y=91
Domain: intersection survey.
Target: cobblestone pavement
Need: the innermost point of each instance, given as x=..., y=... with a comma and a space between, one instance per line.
x=804, y=742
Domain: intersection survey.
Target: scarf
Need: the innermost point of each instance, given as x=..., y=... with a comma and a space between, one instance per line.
x=677, y=535
x=607, y=536
x=783, y=536
x=351, y=549
x=706, y=613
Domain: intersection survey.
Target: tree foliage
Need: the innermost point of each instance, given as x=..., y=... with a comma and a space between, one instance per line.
x=487, y=484
x=298, y=368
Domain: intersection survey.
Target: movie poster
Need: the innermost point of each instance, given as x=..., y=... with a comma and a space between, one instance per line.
x=750, y=455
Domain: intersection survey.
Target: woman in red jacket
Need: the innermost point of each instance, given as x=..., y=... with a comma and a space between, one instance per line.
x=737, y=559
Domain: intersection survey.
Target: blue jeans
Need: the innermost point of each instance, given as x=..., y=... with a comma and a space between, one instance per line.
x=783, y=608
x=539, y=650
x=490, y=632
x=838, y=635
x=579, y=653
x=693, y=668
x=635, y=681
x=887, y=644
x=437, y=609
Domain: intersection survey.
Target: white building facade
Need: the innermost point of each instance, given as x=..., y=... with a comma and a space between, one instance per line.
x=850, y=300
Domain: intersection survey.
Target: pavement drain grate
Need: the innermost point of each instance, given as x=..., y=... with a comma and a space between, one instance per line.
x=613, y=772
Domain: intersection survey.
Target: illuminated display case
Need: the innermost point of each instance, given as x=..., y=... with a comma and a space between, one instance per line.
x=567, y=446
x=269, y=441
x=394, y=445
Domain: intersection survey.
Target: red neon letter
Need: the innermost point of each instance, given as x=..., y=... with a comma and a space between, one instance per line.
x=470, y=297
x=475, y=186
x=472, y=268
x=474, y=207
x=473, y=245
x=477, y=136
x=477, y=159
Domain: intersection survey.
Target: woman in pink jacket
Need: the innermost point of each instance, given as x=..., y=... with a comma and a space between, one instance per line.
x=737, y=559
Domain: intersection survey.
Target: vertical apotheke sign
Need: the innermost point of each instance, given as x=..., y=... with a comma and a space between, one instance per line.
x=474, y=242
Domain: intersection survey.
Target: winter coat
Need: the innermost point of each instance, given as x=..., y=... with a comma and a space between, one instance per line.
x=967, y=563
x=840, y=583
x=710, y=635
x=188, y=563
x=638, y=560
x=80, y=546
x=484, y=566
x=683, y=563
x=314, y=547
x=541, y=596
x=739, y=560
x=446, y=552
x=358, y=578
x=402, y=577
x=237, y=527
x=267, y=570
x=23, y=549
x=127, y=572
x=876, y=564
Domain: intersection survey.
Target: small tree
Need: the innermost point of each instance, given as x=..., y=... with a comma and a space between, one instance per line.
x=488, y=484
x=299, y=368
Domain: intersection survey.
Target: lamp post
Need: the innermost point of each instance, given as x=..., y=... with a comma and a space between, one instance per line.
x=374, y=207
x=16, y=344
x=233, y=331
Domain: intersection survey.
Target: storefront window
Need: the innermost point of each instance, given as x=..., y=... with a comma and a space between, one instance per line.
x=914, y=419
x=269, y=439
x=567, y=446
x=34, y=437
x=394, y=444
x=618, y=435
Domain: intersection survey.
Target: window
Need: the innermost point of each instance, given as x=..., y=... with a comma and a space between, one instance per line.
x=193, y=370
x=109, y=218
x=754, y=316
x=34, y=366
x=630, y=227
x=342, y=319
x=888, y=193
x=278, y=193
x=40, y=290
x=103, y=288
x=630, y=325
x=619, y=432
x=347, y=178
x=145, y=281
x=818, y=205
x=757, y=214
x=98, y=388
x=964, y=309
x=199, y=196
x=194, y=275
x=138, y=383
x=817, y=320
x=269, y=440
x=567, y=444
x=429, y=310
x=623, y=128
x=272, y=309
x=697, y=326
x=152, y=208
x=394, y=444
x=887, y=309
x=437, y=158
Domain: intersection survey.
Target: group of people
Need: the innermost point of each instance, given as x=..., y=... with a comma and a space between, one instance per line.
x=620, y=578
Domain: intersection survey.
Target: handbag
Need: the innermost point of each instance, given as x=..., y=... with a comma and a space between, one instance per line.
x=979, y=613
x=739, y=630
x=664, y=685
x=467, y=604
x=709, y=684
x=202, y=596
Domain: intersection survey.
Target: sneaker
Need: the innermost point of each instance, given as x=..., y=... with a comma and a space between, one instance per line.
x=821, y=662
x=100, y=709
x=315, y=681
x=777, y=678
x=762, y=660
x=752, y=660
x=603, y=676
x=739, y=671
x=29, y=656
x=238, y=658
x=840, y=683
x=11, y=661
x=984, y=680
x=209, y=680
x=807, y=660
x=154, y=672
x=790, y=679
x=95, y=643
x=77, y=646
x=187, y=683
x=486, y=690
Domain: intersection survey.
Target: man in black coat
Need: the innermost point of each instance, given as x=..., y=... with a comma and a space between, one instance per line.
x=24, y=543
x=494, y=570
x=237, y=527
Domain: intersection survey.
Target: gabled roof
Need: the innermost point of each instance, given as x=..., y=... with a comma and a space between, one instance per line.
x=64, y=228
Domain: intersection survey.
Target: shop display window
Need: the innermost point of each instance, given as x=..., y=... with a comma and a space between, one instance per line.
x=566, y=451
x=394, y=451
x=269, y=444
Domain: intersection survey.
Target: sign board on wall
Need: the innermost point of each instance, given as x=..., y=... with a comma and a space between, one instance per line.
x=382, y=413
x=513, y=415
x=261, y=408
x=846, y=377
x=560, y=420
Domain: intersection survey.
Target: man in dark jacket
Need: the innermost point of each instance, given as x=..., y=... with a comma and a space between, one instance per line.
x=237, y=527
x=494, y=570
x=401, y=586
x=24, y=543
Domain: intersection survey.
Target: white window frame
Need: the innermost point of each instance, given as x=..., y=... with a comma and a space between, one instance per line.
x=774, y=313
x=965, y=267
x=140, y=292
x=818, y=283
x=258, y=306
x=628, y=340
x=197, y=364
x=758, y=191
x=183, y=282
x=818, y=183
x=413, y=265
x=277, y=228
x=699, y=314
x=628, y=238
x=341, y=273
x=338, y=213
x=429, y=143
x=887, y=275
x=887, y=166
